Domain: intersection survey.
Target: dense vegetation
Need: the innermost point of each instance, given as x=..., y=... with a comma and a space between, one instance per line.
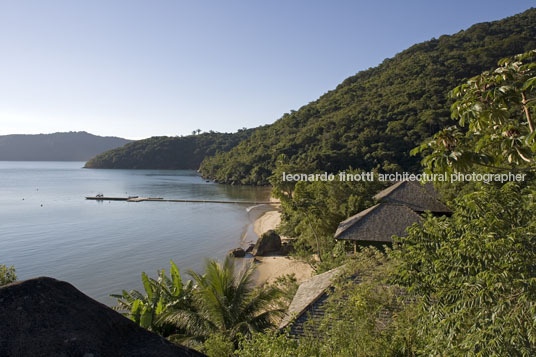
x=71, y=146
x=469, y=279
x=166, y=152
x=374, y=118
x=455, y=286
x=475, y=274
x=496, y=127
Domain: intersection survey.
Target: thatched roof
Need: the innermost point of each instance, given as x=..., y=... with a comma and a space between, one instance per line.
x=416, y=196
x=309, y=292
x=377, y=223
x=47, y=317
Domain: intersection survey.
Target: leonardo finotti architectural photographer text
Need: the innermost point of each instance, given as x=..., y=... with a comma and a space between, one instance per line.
x=406, y=176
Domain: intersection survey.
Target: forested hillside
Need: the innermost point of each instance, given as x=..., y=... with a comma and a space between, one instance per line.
x=71, y=146
x=165, y=152
x=374, y=118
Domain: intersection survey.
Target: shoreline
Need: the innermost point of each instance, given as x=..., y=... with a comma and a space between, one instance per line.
x=269, y=268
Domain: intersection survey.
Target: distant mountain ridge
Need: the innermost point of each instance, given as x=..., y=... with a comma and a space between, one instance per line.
x=68, y=146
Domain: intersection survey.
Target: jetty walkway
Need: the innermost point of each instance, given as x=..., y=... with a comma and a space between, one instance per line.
x=159, y=199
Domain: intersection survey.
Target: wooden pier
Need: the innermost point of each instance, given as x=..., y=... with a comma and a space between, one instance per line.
x=159, y=199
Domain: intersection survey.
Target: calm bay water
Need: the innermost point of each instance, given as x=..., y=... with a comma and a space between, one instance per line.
x=48, y=228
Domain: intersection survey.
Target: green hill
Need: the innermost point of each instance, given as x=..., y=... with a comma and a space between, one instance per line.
x=165, y=152
x=374, y=118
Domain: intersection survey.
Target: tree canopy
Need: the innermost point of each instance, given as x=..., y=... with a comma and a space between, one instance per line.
x=496, y=111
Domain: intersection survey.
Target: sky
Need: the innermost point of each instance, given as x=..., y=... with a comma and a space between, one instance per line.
x=137, y=69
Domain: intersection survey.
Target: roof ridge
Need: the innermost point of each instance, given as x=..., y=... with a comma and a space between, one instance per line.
x=355, y=219
x=291, y=317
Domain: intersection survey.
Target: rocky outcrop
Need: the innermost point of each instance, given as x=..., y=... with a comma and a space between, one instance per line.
x=238, y=253
x=48, y=317
x=250, y=247
x=268, y=243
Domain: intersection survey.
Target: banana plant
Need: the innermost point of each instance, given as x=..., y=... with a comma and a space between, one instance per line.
x=159, y=294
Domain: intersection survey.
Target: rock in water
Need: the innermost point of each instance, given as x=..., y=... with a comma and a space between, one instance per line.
x=48, y=317
x=269, y=242
x=238, y=253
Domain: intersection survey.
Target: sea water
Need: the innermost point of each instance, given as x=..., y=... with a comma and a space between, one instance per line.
x=48, y=228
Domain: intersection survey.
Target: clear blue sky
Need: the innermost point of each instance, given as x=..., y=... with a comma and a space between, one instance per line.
x=142, y=68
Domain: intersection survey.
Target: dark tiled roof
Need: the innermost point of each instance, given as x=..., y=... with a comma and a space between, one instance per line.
x=306, y=323
x=416, y=196
x=308, y=293
x=313, y=310
x=48, y=317
x=398, y=208
x=377, y=223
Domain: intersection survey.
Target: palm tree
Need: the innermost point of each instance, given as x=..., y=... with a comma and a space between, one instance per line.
x=225, y=303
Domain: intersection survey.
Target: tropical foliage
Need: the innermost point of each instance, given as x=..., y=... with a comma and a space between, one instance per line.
x=467, y=281
x=475, y=271
x=496, y=111
x=7, y=275
x=455, y=286
x=476, y=274
x=226, y=304
x=218, y=306
x=160, y=295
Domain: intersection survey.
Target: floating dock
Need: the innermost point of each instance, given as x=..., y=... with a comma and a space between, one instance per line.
x=159, y=199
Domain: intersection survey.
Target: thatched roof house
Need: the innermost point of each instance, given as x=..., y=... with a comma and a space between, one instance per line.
x=399, y=206
x=47, y=317
x=309, y=301
x=377, y=223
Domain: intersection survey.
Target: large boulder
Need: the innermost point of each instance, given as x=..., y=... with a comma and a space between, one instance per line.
x=268, y=243
x=48, y=317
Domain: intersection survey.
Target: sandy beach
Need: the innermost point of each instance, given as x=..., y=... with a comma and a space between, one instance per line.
x=272, y=267
x=269, y=220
